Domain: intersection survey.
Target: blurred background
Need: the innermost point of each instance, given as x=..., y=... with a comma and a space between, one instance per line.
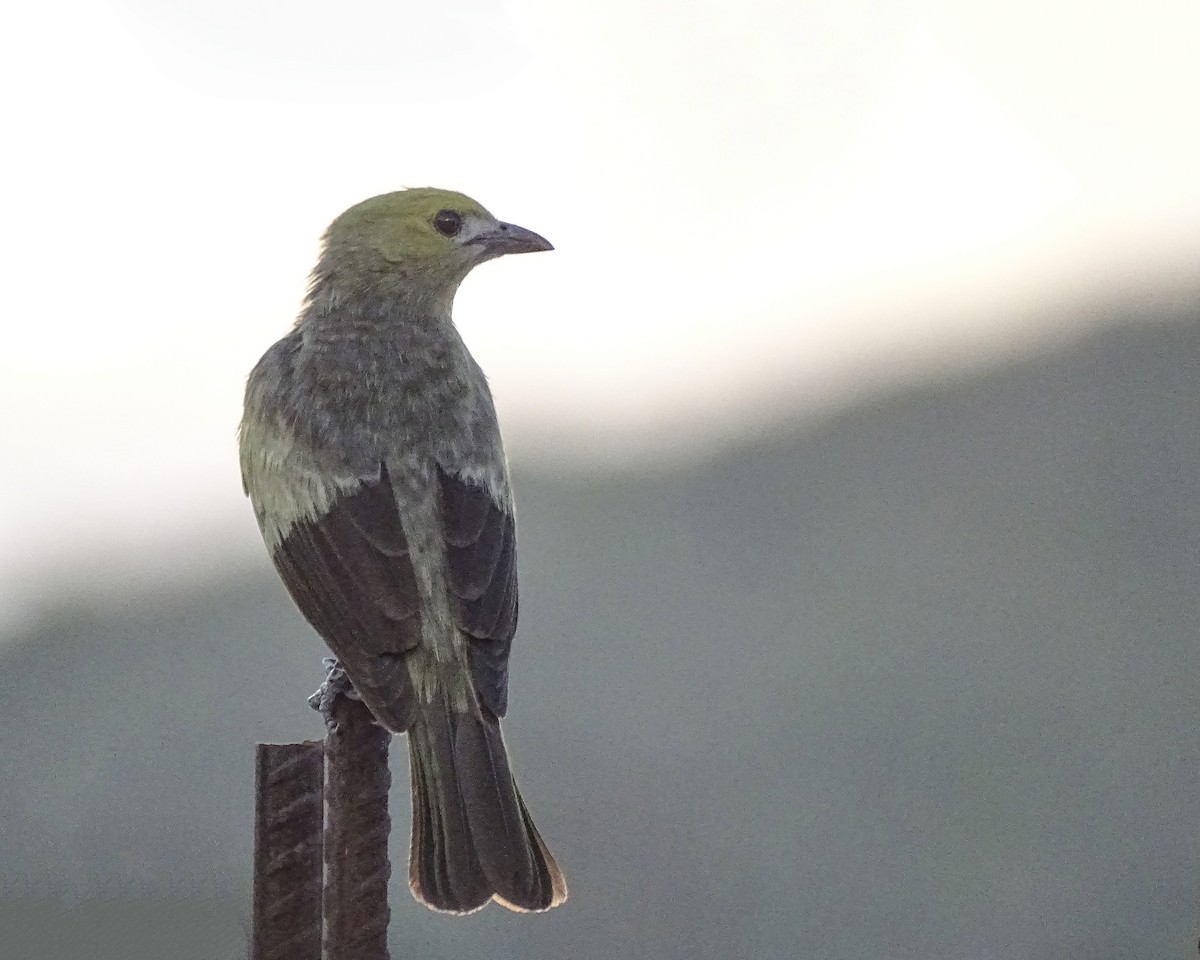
x=855, y=424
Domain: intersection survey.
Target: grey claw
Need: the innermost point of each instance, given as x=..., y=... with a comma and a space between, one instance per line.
x=336, y=684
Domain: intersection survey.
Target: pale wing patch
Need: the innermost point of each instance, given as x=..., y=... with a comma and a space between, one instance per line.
x=284, y=482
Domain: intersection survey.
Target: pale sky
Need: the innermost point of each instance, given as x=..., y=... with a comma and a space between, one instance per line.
x=757, y=206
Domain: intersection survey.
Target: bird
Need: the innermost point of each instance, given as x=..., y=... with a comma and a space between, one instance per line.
x=371, y=453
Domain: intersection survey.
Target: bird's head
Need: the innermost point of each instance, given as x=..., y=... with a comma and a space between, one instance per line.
x=425, y=235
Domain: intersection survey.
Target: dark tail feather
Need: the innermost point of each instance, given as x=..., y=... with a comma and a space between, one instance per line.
x=443, y=870
x=473, y=838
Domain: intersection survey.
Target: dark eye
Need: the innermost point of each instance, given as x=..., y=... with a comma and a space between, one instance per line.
x=448, y=223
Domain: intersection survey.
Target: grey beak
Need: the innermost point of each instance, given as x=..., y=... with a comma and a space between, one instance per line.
x=509, y=238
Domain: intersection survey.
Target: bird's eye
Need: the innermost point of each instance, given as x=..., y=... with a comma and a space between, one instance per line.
x=448, y=223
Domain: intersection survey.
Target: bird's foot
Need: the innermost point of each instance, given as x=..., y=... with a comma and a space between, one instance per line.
x=336, y=684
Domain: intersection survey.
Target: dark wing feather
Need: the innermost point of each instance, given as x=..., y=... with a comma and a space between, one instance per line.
x=481, y=547
x=350, y=574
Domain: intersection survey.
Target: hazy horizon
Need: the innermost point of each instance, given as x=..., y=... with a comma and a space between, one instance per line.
x=126, y=550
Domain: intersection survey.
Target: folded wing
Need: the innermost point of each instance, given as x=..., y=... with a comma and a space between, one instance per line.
x=481, y=549
x=350, y=573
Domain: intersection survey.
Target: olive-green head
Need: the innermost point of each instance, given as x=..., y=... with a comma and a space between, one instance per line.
x=426, y=233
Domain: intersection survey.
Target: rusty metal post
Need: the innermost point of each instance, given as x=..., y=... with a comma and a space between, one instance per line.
x=356, y=835
x=288, y=818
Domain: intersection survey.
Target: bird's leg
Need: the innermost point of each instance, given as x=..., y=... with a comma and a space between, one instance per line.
x=336, y=684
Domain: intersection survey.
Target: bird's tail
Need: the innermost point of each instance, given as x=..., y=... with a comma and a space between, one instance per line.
x=472, y=838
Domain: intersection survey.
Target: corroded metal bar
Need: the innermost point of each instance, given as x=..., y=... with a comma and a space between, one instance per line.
x=288, y=820
x=357, y=824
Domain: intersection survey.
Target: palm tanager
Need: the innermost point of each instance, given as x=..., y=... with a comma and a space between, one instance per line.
x=371, y=453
